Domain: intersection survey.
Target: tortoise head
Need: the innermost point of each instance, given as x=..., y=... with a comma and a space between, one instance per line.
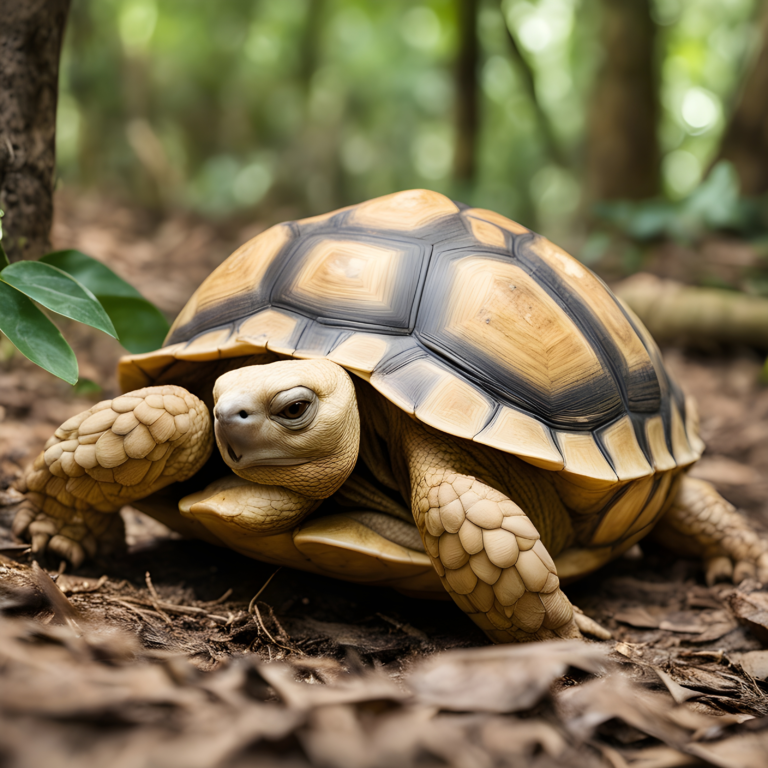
x=293, y=423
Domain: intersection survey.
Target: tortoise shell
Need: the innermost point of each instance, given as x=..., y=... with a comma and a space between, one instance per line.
x=472, y=323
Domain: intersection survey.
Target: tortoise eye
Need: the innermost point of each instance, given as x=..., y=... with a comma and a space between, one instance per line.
x=295, y=409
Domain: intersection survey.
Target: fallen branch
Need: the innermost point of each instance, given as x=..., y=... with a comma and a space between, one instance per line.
x=702, y=317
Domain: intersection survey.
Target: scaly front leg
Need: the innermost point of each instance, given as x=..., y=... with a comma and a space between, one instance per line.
x=117, y=452
x=487, y=551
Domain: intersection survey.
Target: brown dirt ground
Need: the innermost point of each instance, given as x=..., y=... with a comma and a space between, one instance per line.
x=154, y=659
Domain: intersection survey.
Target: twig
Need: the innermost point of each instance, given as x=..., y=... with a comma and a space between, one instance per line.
x=190, y=610
x=282, y=634
x=253, y=608
x=266, y=584
x=260, y=623
x=140, y=613
x=155, y=598
x=221, y=599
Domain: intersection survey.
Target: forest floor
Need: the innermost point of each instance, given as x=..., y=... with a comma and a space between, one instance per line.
x=154, y=659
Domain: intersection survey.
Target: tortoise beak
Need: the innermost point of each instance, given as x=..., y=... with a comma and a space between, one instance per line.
x=225, y=442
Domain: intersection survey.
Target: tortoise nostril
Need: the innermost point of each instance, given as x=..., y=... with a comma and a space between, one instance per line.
x=243, y=415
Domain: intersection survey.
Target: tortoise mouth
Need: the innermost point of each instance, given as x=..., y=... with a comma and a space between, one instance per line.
x=225, y=445
x=227, y=448
x=231, y=452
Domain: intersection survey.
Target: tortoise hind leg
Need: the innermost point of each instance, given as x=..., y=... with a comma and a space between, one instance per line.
x=117, y=452
x=701, y=523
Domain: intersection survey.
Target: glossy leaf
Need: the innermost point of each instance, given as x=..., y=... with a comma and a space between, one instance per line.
x=97, y=277
x=3, y=256
x=59, y=292
x=34, y=335
x=140, y=325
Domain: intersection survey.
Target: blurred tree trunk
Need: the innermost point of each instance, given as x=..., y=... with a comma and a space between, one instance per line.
x=528, y=79
x=31, y=32
x=622, y=143
x=745, y=142
x=467, y=107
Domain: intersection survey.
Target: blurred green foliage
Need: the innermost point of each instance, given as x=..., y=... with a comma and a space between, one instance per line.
x=311, y=104
x=714, y=205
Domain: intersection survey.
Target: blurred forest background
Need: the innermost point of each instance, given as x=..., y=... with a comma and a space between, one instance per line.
x=544, y=110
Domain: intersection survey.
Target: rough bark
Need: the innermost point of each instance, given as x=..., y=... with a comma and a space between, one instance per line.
x=622, y=143
x=467, y=109
x=31, y=33
x=745, y=142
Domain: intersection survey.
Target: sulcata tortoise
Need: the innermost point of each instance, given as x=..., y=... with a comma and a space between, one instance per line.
x=484, y=417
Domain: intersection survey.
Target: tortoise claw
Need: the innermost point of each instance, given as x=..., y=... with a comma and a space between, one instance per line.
x=718, y=569
x=744, y=570
x=40, y=542
x=589, y=626
x=25, y=515
x=68, y=549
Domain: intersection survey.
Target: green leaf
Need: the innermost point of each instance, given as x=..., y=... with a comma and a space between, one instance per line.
x=4, y=262
x=141, y=326
x=49, y=286
x=87, y=387
x=95, y=276
x=34, y=335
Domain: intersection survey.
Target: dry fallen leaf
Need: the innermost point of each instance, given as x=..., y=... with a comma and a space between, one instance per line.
x=751, y=609
x=755, y=664
x=502, y=678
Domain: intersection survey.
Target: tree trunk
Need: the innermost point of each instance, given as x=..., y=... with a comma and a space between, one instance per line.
x=745, y=142
x=622, y=143
x=467, y=109
x=528, y=82
x=31, y=32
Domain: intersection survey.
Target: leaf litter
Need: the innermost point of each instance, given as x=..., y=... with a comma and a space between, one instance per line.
x=175, y=653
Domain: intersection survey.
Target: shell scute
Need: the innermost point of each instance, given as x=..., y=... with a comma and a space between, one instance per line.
x=462, y=318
